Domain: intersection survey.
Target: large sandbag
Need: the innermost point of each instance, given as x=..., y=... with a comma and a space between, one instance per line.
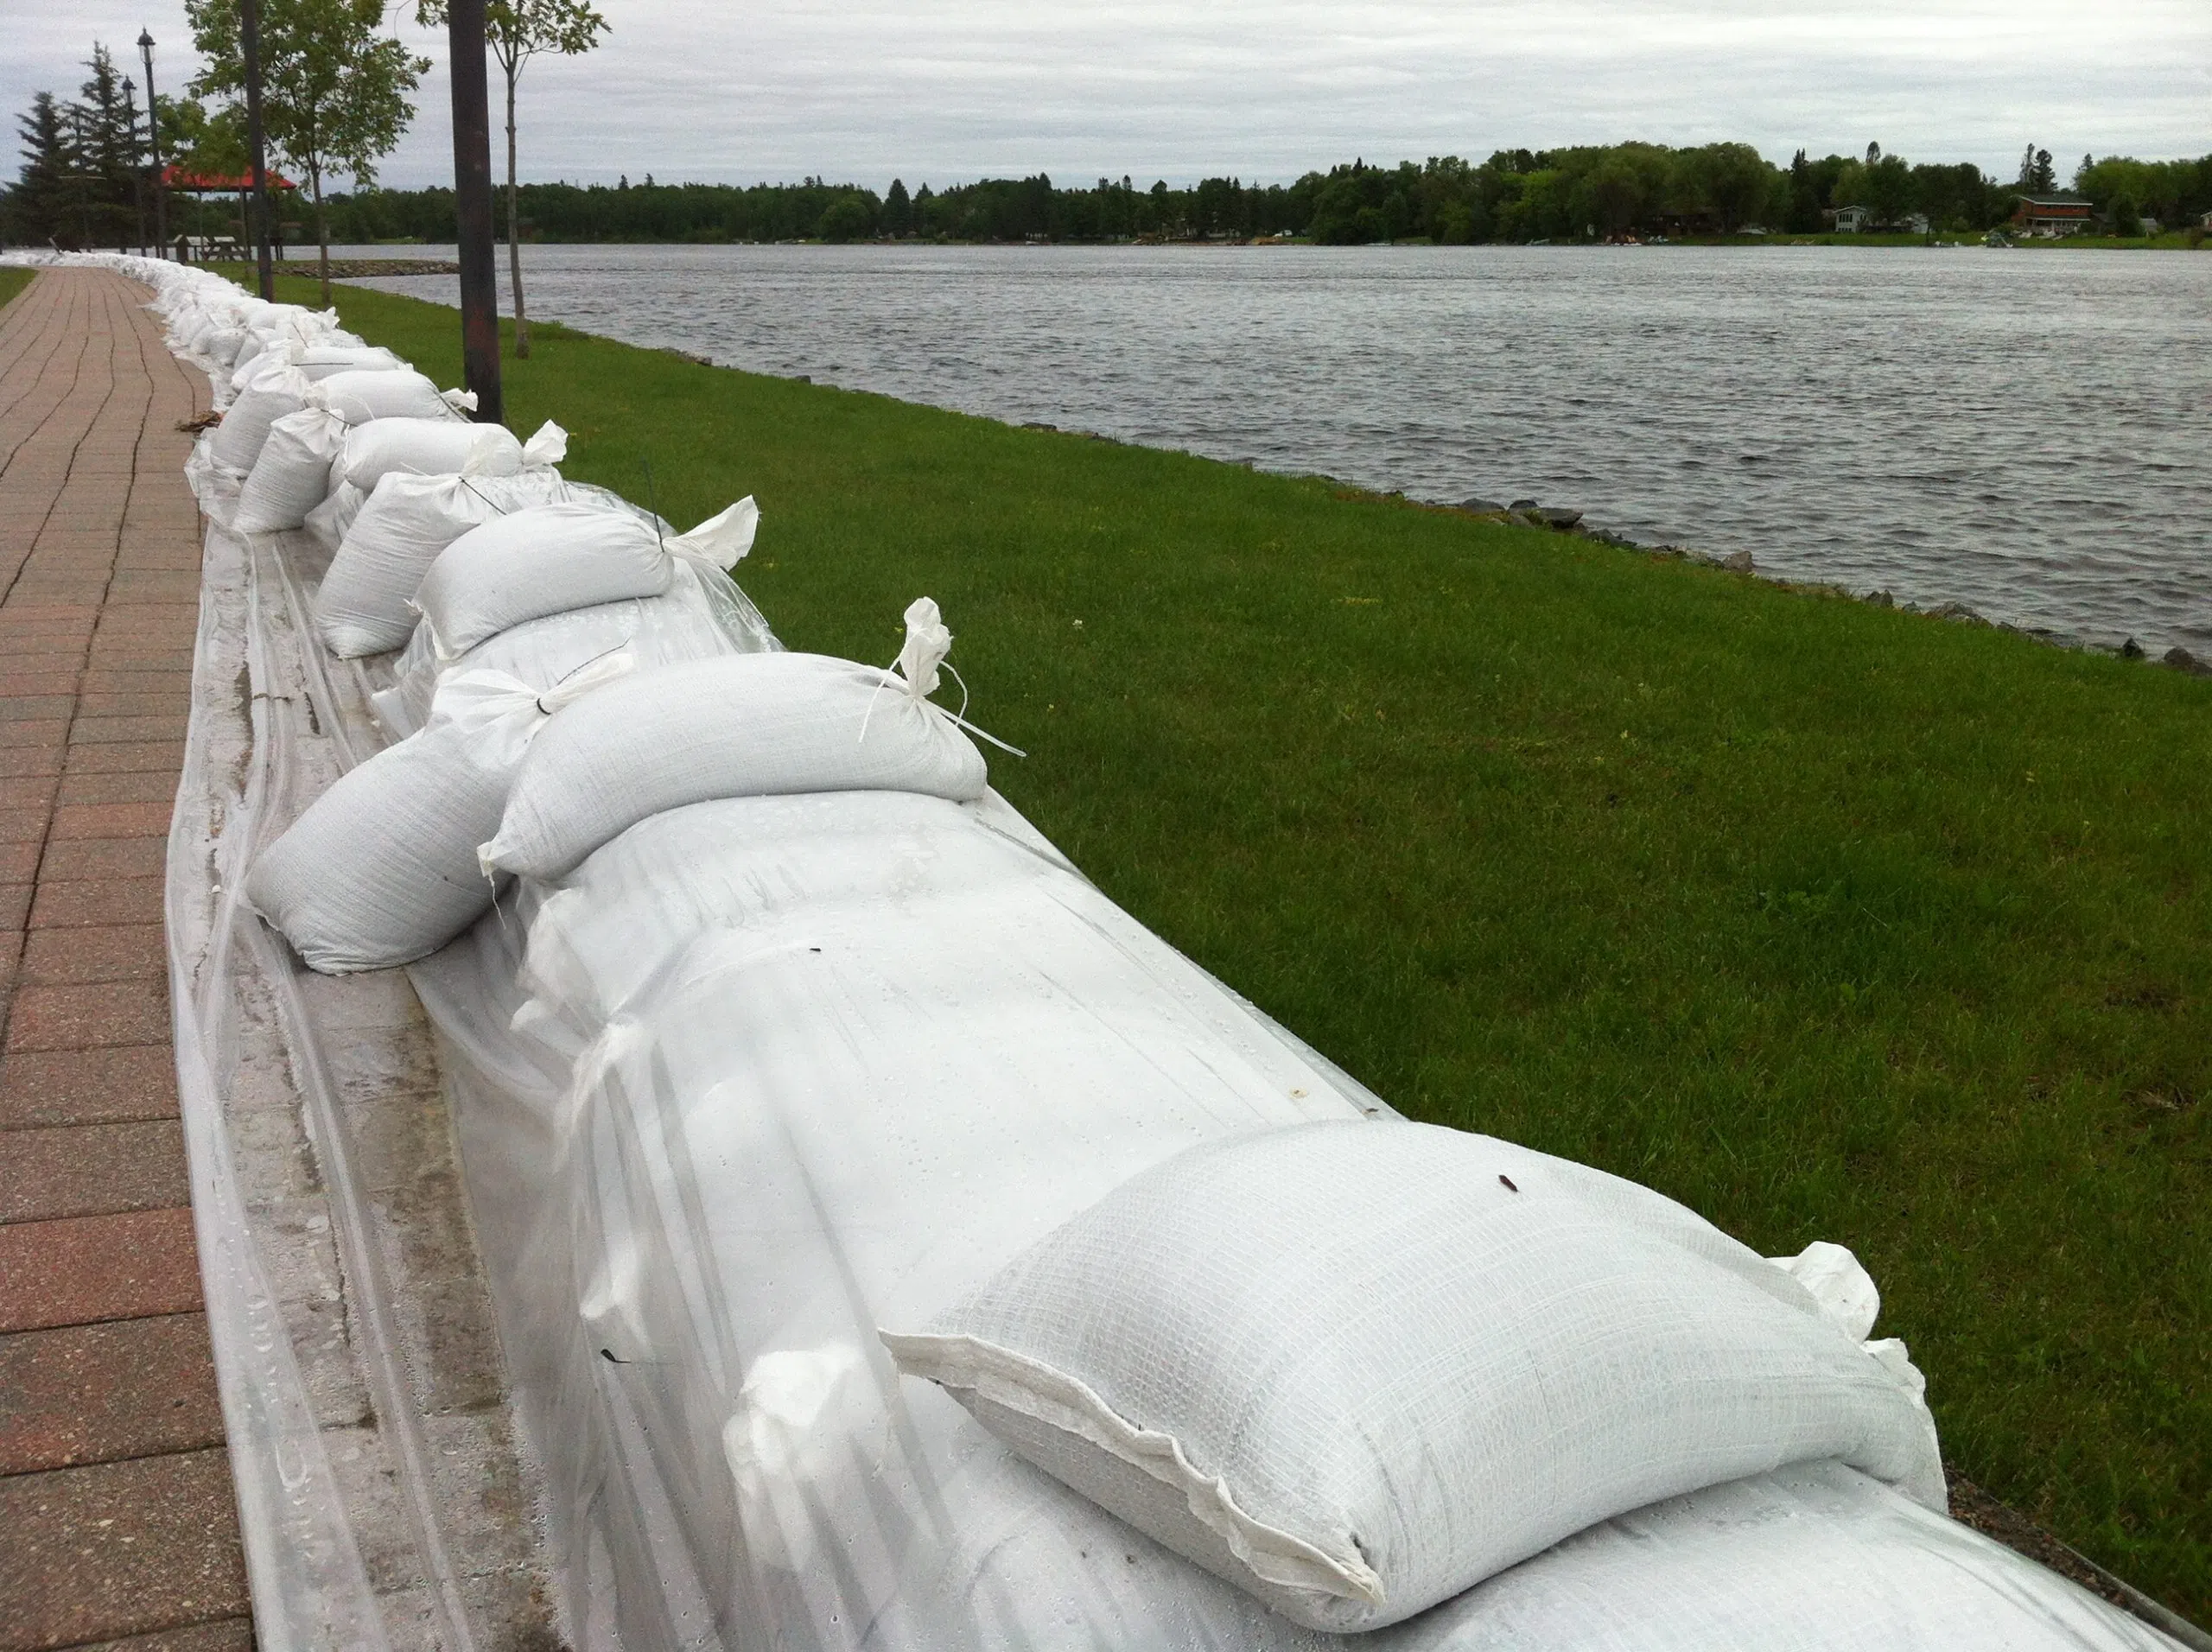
x=381, y=869
x=700, y=615
x=445, y=447
x=360, y=394
x=329, y=520
x=551, y=558
x=753, y=724
x=269, y=393
x=364, y=604
x=295, y=472
x=1357, y=1367
x=322, y=360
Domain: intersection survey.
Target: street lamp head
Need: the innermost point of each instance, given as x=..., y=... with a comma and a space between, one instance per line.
x=145, y=40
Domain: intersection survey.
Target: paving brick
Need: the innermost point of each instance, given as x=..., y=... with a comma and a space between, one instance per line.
x=96, y=1394
x=132, y=785
x=15, y=905
x=86, y=731
x=75, y=904
x=125, y=756
x=111, y=681
x=37, y=680
x=28, y=792
x=92, y=1170
x=113, y=820
x=89, y=1015
x=37, y=708
x=67, y=957
x=104, y=857
x=19, y=862
x=24, y=824
x=231, y=1634
x=119, y=1548
x=78, y=1270
x=88, y=1086
x=17, y=761
x=42, y=732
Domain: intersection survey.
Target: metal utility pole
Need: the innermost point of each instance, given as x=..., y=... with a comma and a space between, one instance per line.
x=472, y=201
x=154, y=132
x=250, y=45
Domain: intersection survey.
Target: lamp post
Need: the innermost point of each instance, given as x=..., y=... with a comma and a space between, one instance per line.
x=249, y=48
x=137, y=174
x=154, y=133
x=472, y=200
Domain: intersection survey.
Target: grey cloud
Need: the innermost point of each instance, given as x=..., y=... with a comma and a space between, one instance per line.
x=946, y=91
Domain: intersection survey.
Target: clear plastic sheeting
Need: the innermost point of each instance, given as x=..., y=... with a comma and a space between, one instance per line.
x=545, y=1295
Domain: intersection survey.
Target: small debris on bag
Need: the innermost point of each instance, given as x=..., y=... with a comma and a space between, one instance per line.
x=205, y=422
x=1508, y=1182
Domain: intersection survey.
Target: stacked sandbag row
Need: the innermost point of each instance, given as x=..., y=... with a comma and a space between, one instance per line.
x=489, y=588
x=971, y=1268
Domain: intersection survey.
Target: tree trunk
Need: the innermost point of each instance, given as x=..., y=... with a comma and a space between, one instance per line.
x=321, y=232
x=514, y=228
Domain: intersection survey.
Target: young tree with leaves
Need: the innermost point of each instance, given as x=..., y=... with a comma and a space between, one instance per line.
x=518, y=31
x=333, y=86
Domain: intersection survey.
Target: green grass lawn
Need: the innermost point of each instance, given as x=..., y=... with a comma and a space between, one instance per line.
x=13, y=281
x=1832, y=922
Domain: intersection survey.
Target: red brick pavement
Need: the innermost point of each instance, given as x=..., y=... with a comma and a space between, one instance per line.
x=117, y=1518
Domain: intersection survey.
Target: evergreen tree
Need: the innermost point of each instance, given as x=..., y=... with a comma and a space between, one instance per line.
x=1804, y=218
x=42, y=204
x=897, y=211
x=111, y=148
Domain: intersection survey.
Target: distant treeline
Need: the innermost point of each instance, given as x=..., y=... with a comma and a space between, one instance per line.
x=1516, y=195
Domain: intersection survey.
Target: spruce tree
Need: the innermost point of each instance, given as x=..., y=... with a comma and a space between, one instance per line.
x=41, y=205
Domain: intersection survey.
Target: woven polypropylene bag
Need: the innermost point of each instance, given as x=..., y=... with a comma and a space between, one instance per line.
x=753, y=724
x=272, y=393
x=552, y=558
x=359, y=395
x=381, y=869
x=1357, y=1368
x=362, y=605
x=294, y=473
x=440, y=447
x=683, y=623
x=547, y=559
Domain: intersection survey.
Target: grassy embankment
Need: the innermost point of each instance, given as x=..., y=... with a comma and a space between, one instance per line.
x=1832, y=922
x=13, y=281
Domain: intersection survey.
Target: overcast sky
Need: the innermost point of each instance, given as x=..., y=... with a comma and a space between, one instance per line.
x=951, y=90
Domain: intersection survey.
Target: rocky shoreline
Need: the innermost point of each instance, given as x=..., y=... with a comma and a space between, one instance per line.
x=1528, y=513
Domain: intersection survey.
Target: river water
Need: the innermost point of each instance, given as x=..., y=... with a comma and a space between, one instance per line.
x=2028, y=432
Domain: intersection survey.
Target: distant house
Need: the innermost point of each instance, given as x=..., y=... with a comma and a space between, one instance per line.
x=2051, y=215
x=1851, y=220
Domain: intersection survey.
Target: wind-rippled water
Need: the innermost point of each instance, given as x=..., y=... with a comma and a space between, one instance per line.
x=2028, y=432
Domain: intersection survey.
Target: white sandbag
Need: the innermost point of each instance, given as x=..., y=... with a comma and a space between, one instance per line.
x=753, y=724
x=445, y=447
x=295, y=472
x=323, y=360
x=381, y=869
x=551, y=558
x=329, y=520
x=271, y=392
x=696, y=618
x=359, y=395
x=1357, y=1369
x=362, y=605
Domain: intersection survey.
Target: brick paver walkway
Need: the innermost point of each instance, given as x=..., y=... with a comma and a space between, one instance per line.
x=117, y=1517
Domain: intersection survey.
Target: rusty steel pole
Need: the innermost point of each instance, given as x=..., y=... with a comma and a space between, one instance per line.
x=250, y=48
x=472, y=202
